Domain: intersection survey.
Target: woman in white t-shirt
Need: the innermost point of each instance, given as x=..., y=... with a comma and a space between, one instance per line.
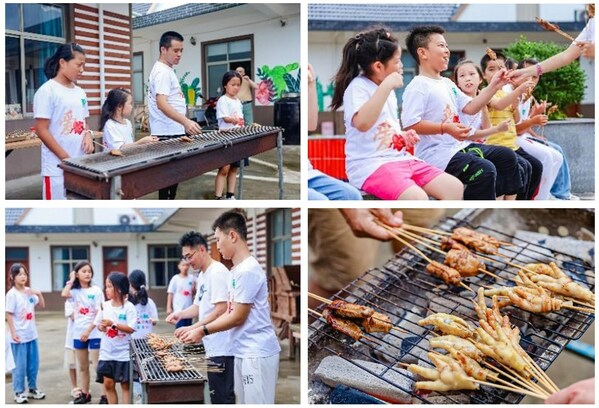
x=116, y=320
x=375, y=147
x=87, y=299
x=60, y=109
x=117, y=129
x=229, y=112
x=20, y=318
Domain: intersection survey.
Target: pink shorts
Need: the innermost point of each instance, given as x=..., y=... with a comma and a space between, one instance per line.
x=390, y=180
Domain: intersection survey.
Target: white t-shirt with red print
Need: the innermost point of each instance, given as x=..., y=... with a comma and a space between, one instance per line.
x=163, y=81
x=114, y=345
x=87, y=303
x=145, y=314
x=256, y=336
x=182, y=289
x=22, y=307
x=438, y=101
x=227, y=107
x=117, y=134
x=366, y=151
x=67, y=109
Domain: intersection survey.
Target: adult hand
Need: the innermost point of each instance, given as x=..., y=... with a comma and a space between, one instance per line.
x=193, y=336
x=192, y=128
x=582, y=392
x=182, y=330
x=172, y=317
x=362, y=221
x=520, y=74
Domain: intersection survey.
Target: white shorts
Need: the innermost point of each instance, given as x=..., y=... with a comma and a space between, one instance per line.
x=256, y=379
x=53, y=188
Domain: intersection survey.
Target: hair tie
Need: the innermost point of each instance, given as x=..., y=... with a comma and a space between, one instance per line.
x=142, y=286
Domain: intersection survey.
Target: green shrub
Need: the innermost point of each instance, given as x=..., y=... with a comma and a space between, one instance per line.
x=562, y=87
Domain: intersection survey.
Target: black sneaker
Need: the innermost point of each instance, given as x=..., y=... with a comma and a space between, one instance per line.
x=83, y=399
x=103, y=400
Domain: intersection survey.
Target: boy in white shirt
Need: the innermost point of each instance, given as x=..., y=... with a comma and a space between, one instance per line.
x=253, y=340
x=210, y=303
x=166, y=103
x=180, y=292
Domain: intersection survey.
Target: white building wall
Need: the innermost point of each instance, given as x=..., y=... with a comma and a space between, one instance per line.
x=508, y=12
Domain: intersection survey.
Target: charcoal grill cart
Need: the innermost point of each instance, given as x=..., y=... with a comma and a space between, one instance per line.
x=143, y=169
x=405, y=292
x=160, y=386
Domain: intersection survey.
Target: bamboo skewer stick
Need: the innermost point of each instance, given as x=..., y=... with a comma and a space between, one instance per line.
x=527, y=385
x=328, y=302
x=518, y=390
x=441, y=232
x=580, y=309
x=413, y=237
x=369, y=338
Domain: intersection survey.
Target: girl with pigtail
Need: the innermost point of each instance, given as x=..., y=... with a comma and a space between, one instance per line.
x=376, y=157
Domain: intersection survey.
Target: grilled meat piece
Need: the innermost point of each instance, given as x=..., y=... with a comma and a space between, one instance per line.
x=477, y=244
x=464, y=262
x=448, y=243
x=344, y=326
x=467, y=232
x=448, y=324
x=377, y=323
x=345, y=309
x=449, y=275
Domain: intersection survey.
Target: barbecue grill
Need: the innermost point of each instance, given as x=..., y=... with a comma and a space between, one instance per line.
x=143, y=169
x=404, y=291
x=160, y=386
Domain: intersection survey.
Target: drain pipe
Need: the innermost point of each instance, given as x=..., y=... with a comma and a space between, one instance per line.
x=101, y=52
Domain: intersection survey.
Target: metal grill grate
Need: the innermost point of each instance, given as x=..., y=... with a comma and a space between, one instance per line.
x=149, y=154
x=404, y=291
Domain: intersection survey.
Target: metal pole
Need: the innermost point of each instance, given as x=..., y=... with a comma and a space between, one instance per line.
x=280, y=162
x=240, y=186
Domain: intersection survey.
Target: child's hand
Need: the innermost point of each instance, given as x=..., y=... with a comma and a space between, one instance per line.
x=504, y=126
x=101, y=328
x=84, y=336
x=87, y=144
x=540, y=120
x=411, y=138
x=539, y=108
x=172, y=318
x=526, y=86
x=394, y=80
x=457, y=131
x=499, y=79
x=106, y=322
x=311, y=75
x=148, y=139
x=587, y=49
x=16, y=338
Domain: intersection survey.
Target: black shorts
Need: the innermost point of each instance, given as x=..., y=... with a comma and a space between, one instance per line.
x=221, y=385
x=246, y=162
x=116, y=370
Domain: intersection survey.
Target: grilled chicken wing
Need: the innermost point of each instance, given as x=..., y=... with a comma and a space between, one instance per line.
x=464, y=262
x=449, y=275
x=448, y=324
x=377, y=323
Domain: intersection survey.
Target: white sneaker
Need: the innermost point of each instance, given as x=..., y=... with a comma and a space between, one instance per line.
x=21, y=398
x=36, y=394
x=231, y=198
x=573, y=197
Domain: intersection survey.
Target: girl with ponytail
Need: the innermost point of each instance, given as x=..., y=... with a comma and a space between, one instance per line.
x=147, y=314
x=377, y=160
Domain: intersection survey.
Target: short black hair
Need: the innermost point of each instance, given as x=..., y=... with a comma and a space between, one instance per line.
x=231, y=220
x=419, y=37
x=484, y=61
x=167, y=38
x=193, y=239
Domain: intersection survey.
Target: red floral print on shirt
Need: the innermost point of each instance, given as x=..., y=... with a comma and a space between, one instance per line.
x=29, y=316
x=83, y=310
x=112, y=333
x=78, y=127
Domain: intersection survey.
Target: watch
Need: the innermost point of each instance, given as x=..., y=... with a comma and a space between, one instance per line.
x=113, y=327
x=206, y=330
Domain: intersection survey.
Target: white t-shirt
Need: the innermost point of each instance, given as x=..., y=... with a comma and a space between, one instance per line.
x=588, y=32
x=117, y=134
x=22, y=307
x=213, y=287
x=163, y=81
x=256, y=336
x=67, y=109
x=145, y=314
x=227, y=107
x=437, y=101
x=366, y=151
x=86, y=304
x=69, y=311
x=114, y=345
x=182, y=290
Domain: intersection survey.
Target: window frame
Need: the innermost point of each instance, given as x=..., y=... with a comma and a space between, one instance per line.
x=284, y=237
x=70, y=261
x=166, y=260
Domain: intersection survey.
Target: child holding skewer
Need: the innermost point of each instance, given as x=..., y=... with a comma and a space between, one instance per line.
x=376, y=147
x=432, y=105
x=21, y=301
x=116, y=320
x=60, y=110
x=502, y=106
x=117, y=129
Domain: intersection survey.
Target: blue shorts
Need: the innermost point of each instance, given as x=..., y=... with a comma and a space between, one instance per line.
x=92, y=344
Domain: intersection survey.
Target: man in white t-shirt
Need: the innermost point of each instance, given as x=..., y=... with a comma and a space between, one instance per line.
x=166, y=103
x=253, y=340
x=210, y=303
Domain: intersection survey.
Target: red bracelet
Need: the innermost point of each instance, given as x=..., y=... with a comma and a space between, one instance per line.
x=539, y=69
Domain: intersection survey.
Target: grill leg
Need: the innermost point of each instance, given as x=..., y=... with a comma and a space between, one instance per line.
x=115, y=188
x=280, y=163
x=240, y=184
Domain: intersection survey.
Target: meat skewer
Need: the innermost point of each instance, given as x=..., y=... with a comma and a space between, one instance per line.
x=553, y=27
x=344, y=326
x=346, y=309
x=491, y=54
x=448, y=324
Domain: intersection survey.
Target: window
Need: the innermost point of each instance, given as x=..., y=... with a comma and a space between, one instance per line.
x=163, y=264
x=138, y=78
x=33, y=33
x=64, y=260
x=224, y=56
x=14, y=255
x=280, y=237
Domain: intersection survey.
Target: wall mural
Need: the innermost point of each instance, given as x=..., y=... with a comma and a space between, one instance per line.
x=320, y=94
x=276, y=81
x=191, y=91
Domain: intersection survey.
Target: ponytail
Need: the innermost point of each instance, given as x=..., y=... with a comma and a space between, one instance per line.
x=137, y=279
x=65, y=52
x=115, y=98
x=360, y=52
